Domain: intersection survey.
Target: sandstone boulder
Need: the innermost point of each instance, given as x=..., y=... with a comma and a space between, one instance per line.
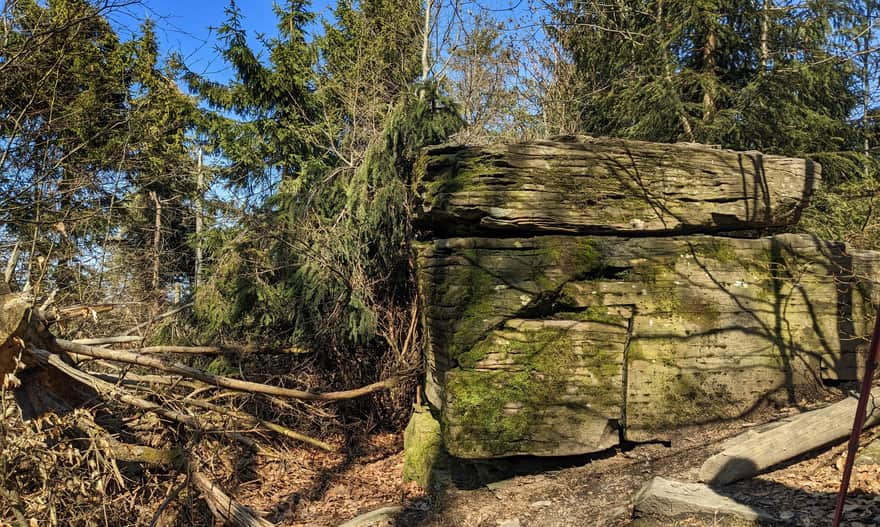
x=587, y=185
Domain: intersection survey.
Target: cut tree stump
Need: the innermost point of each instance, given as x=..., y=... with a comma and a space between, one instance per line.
x=802, y=433
x=670, y=499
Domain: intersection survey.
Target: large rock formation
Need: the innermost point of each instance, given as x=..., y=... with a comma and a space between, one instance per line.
x=607, y=186
x=563, y=344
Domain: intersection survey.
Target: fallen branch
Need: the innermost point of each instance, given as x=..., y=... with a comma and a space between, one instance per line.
x=218, y=380
x=215, y=350
x=67, y=313
x=167, y=501
x=134, y=378
x=225, y=508
x=109, y=340
x=110, y=391
x=121, y=451
x=257, y=422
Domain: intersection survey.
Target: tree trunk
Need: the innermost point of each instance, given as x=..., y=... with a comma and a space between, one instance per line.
x=765, y=35
x=709, y=72
x=200, y=185
x=157, y=241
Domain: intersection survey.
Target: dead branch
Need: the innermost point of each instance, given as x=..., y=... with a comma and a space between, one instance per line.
x=134, y=378
x=107, y=390
x=10, y=265
x=260, y=423
x=110, y=391
x=109, y=340
x=225, y=508
x=91, y=311
x=215, y=350
x=157, y=318
x=121, y=451
x=167, y=501
x=218, y=380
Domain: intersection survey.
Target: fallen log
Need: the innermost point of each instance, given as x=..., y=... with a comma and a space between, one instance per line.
x=808, y=431
x=219, y=380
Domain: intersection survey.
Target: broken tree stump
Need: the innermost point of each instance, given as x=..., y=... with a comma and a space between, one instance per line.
x=801, y=434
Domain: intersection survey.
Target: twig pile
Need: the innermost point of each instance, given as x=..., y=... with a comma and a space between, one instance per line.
x=48, y=374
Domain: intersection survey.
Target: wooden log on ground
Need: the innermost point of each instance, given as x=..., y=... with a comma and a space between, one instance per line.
x=801, y=434
x=670, y=499
x=588, y=185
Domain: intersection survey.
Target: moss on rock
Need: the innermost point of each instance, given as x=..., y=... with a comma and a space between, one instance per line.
x=422, y=446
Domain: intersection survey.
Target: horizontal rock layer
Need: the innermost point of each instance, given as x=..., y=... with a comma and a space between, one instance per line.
x=591, y=185
x=549, y=345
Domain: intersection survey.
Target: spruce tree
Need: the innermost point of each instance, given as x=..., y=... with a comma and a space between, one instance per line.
x=742, y=74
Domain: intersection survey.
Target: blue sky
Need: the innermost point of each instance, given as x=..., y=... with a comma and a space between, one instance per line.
x=187, y=26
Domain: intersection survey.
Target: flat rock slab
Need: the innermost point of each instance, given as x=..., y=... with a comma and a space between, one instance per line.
x=588, y=185
x=669, y=499
x=756, y=452
x=385, y=516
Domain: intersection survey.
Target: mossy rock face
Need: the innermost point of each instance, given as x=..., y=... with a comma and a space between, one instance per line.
x=546, y=388
x=548, y=345
x=470, y=286
x=587, y=185
x=423, y=447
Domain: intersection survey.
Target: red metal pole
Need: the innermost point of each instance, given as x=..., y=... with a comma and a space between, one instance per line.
x=859, y=422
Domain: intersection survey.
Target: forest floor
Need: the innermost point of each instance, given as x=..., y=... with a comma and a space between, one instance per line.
x=304, y=488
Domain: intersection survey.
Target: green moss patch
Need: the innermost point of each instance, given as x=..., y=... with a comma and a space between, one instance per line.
x=423, y=447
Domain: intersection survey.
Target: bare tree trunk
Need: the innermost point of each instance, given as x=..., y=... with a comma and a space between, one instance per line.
x=866, y=102
x=426, y=40
x=866, y=82
x=709, y=70
x=157, y=240
x=765, y=35
x=200, y=185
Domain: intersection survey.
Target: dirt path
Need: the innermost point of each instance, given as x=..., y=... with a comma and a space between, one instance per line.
x=527, y=492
